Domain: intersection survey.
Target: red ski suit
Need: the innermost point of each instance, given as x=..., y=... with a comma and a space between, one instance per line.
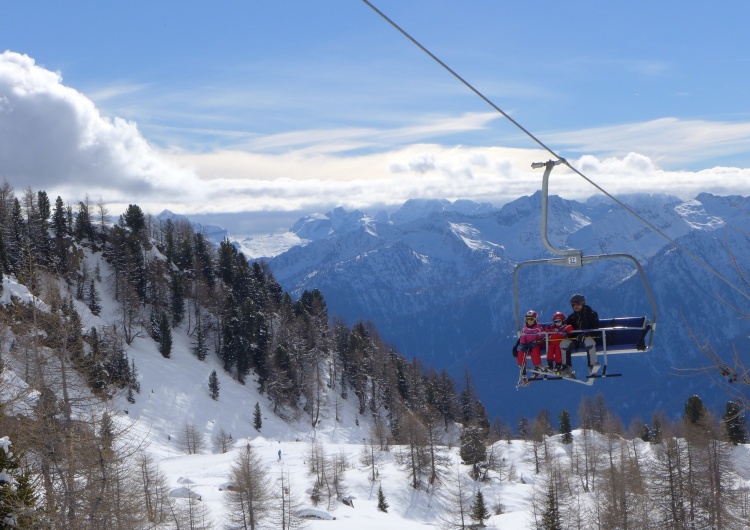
x=556, y=334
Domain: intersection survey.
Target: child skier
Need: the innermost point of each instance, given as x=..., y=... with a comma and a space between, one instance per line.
x=556, y=332
x=530, y=343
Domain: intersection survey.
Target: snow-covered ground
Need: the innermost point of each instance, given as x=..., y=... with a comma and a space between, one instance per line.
x=174, y=393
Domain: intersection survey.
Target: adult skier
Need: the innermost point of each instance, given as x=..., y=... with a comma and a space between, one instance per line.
x=583, y=319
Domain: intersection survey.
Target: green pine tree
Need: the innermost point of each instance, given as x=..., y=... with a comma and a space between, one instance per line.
x=479, y=511
x=17, y=495
x=565, y=428
x=165, y=335
x=473, y=450
x=382, y=504
x=200, y=345
x=94, y=298
x=213, y=385
x=257, y=418
x=178, y=300
x=551, y=515
x=695, y=410
x=735, y=423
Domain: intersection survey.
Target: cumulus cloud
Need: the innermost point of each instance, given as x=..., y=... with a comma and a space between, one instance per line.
x=54, y=138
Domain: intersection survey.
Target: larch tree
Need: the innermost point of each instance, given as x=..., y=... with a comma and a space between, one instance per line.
x=285, y=505
x=248, y=502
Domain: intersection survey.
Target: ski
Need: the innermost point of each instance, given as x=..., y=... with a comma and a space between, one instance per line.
x=603, y=376
x=554, y=376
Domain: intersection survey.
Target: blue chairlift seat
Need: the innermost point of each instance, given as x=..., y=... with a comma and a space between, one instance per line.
x=619, y=335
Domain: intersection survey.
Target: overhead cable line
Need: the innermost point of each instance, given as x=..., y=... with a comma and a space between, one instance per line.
x=541, y=144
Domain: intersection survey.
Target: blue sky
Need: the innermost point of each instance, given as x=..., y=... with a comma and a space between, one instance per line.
x=298, y=106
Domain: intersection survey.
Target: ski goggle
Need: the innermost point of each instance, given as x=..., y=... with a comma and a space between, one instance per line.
x=557, y=321
x=530, y=319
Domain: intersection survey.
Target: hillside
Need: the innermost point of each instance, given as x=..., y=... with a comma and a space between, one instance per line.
x=174, y=395
x=107, y=418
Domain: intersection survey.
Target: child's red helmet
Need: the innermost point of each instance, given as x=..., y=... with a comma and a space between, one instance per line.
x=559, y=315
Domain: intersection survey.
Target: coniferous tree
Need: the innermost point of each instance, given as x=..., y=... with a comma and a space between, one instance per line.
x=94, y=299
x=565, y=428
x=257, y=417
x=178, y=300
x=134, y=218
x=200, y=346
x=248, y=502
x=165, y=336
x=551, y=519
x=735, y=423
x=17, y=495
x=84, y=229
x=213, y=385
x=695, y=410
x=382, y=503
x=479, y=511
x=169, y=243
x=59, y=219
x=134, y=383
x=286, y=505
x=473, y=450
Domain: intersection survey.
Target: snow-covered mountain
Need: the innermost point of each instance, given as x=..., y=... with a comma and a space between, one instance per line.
x=436, y=278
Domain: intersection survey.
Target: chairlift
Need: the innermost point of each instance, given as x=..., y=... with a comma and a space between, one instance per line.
x=617, y=335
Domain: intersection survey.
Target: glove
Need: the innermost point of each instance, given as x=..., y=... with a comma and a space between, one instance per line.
x=581, y=339
x=515, y=351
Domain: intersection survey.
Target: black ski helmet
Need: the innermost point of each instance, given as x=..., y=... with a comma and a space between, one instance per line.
x=578, y=298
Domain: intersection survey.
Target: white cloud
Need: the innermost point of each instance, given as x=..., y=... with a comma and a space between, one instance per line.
x=51, y=134
x=666, y=140
x=54, y=138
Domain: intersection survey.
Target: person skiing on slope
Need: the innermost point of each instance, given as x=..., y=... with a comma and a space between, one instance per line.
x=530, y=343
x=582, y=318
x=556, y=332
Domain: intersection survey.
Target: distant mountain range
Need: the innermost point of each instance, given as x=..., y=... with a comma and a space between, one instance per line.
x=436, y=278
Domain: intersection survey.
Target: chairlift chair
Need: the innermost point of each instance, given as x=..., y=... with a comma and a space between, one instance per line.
x=618, y=335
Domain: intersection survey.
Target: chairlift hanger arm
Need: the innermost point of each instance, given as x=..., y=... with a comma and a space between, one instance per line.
x=571, y=257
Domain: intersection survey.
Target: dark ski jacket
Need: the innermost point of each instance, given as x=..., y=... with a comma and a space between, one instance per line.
x=587, y=318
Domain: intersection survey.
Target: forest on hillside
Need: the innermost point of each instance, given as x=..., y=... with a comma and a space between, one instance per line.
x=166, y=278
x=70, y=467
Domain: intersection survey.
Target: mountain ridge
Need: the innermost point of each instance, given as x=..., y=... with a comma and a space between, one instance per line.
x=437, y=281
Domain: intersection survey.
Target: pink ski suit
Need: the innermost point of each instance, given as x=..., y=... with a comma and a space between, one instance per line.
x=531, y=341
